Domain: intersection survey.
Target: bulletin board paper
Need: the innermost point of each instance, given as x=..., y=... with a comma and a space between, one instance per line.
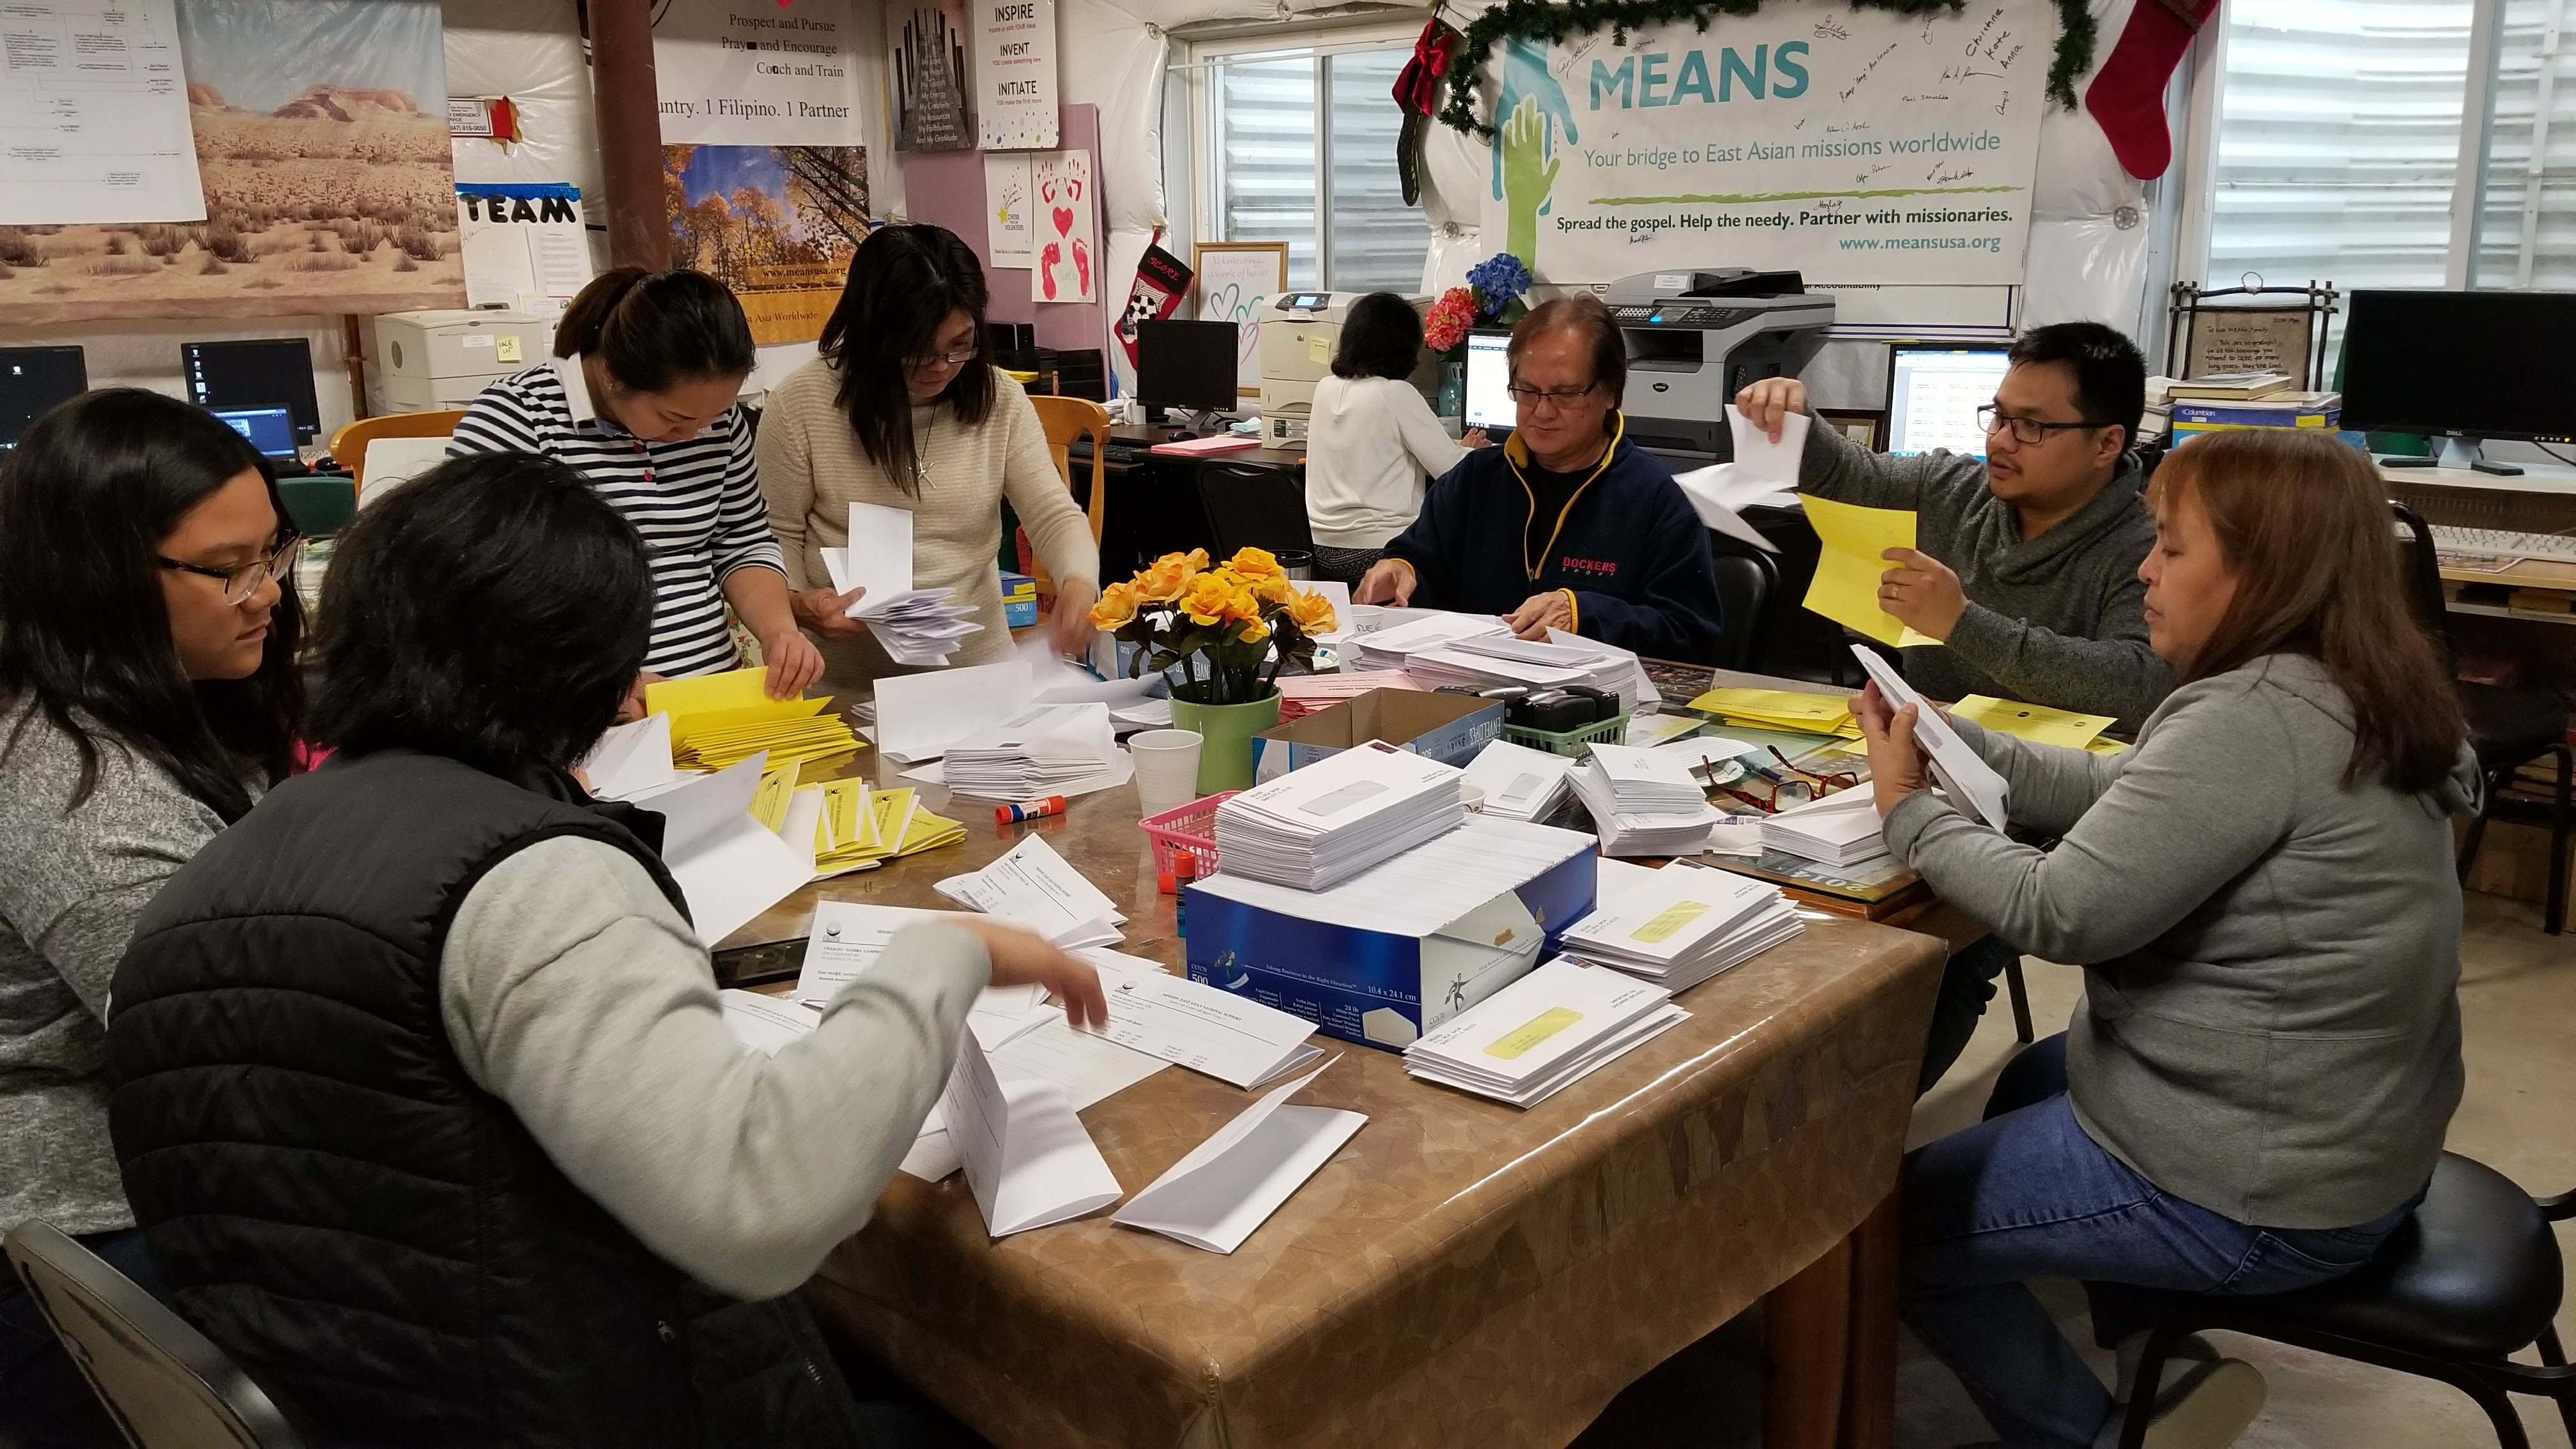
x=94, y=100
x=929, y=77
x=1236, y=281
x=1015, y=74
x=525, y=246
x=1066, y=211
x=756, y=73
x=1007, y=234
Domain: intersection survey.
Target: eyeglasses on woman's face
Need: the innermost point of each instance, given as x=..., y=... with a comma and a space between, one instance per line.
x=955, y=357
x=240, y=581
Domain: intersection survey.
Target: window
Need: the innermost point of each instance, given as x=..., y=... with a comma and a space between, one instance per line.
x=2527, y=222
x=1300, y=148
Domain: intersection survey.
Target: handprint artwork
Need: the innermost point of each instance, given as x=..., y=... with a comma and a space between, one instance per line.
x=1067, y=245
x=1525, y=161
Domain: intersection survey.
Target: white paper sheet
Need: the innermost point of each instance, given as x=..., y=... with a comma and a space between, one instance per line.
x=1026, y=1155
x=1962, y=771
x=766, y=1023
x=846, y=940
x=1231, y=1038
x=96, y=109
x=1120, y=769
x=1231, y=1183
x=879, y=553
x=1032, y=886
x=1763, y=475
x=730, y=867
x=631, y=759
x=389, y=463
x=920, y=715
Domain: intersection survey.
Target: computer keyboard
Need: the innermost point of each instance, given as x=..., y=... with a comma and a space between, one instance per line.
x=2556, y=548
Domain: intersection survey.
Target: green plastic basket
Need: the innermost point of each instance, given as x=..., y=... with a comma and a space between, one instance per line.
x=1572, y=742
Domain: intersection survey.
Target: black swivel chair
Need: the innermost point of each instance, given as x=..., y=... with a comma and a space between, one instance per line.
x=2470, y=1279
x=2508, y=728
x=165, y=1384
x=1748, y=584
x=1250, y=507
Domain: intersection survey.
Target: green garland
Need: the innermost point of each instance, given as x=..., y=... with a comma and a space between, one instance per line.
x=1554, y=20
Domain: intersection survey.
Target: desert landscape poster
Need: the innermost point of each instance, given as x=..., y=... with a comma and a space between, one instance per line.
x=321, y=135
x=777, y=224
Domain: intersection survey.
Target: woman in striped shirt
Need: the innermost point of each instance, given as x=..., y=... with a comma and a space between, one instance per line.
x=639, y=400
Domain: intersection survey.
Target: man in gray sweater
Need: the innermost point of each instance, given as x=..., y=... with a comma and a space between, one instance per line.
x=2028, y=567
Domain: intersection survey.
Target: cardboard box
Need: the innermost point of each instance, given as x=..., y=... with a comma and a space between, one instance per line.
x=1019, y=601
x=1449, y=728
x=1381, y=988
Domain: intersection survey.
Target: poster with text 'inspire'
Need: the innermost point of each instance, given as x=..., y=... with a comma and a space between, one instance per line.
x=1856, y=146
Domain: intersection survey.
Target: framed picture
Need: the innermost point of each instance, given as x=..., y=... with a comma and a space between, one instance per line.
x=1867, y=427
x=1234, y=281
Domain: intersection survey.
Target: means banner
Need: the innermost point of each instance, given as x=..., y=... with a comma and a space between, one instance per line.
x=1855, y=146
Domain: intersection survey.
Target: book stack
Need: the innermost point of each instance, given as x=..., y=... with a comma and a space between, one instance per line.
x=1837, y=829
x=1520, y=783
x=1643, y=802
x=1313, y=828
x=2194, y=417
x=1035, y=753
x=1683, y=926
x=2232, y=386
x=1535, y=1037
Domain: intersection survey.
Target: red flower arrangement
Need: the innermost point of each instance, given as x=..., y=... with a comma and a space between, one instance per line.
x=1447, y=323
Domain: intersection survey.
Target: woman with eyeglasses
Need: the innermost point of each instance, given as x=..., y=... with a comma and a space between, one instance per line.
x=640, y=401
x=902, y=411
x=148, y=696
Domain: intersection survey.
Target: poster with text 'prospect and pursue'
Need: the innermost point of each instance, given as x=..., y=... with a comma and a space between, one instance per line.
x=1857, y=146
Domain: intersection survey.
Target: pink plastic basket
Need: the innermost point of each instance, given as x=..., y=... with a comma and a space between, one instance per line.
x=1191, y=827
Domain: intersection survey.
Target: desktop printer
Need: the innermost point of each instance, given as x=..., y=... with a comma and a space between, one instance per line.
x=1299, y=331
x=1695, y=339
x=428, y=361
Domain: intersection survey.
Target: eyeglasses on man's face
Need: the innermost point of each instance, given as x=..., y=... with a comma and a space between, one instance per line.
x=1552, y=397
x=243, y=580
x=2028, y=431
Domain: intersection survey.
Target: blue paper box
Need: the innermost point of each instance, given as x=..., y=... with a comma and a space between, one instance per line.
x=1381, y=988
x=1019, y=601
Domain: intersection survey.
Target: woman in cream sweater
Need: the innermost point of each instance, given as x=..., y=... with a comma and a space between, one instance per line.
x=900, y=410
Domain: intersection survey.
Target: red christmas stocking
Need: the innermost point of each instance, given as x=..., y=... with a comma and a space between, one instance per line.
x=2128, y=93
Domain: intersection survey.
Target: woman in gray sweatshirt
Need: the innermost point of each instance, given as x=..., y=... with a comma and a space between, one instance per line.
x=2254, y=1090
x=147, y=694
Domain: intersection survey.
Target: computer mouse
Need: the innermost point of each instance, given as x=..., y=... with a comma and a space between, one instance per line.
x=1181, y=435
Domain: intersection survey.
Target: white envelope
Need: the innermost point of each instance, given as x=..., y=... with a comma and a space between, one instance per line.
x=729, y=866
x=1118, y=770
x=1026, y=1155
x=631, y=760
x=880, y=550
x=1231, y=1184
x=920, y=715
x=1962, y=771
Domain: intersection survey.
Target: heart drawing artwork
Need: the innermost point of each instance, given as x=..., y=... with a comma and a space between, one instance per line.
x=1068, y=242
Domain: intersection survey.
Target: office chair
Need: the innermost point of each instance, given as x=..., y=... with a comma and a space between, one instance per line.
x=349, y=445
x=2470, y=1279
x=2508, y=729
x=1747, y=584
x=1253, y=507
x=164, y=1383
x=1065, y=419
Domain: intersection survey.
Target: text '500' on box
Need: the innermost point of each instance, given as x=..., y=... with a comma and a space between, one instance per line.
x=1400, y=948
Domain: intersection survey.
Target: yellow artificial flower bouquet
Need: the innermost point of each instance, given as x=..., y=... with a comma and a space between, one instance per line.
x=1231, y=628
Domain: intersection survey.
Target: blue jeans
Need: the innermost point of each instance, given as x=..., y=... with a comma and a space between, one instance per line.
x=45, y=1402
x=2028, y=1194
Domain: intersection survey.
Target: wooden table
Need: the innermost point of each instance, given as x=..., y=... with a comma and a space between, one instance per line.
x=1461, y=1272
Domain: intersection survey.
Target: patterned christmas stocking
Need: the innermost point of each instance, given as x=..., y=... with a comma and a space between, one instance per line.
x=2128, y=93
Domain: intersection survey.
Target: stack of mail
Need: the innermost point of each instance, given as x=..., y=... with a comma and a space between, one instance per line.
x=1482, y=661
x=915, y=626
x=1837, y=829
x=1643, y=802
x=861, y=827
x=1532, y=1038
x=1032, y=886
x=1036, y=752
x=1781, y=709
x=1683, y=926
x=1519, y=783
x=720, y=719
x=1302, y=694
x=1312, y=828
x=1394, y=648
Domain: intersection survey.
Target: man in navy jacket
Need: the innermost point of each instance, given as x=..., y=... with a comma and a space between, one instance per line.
x=1567, y=525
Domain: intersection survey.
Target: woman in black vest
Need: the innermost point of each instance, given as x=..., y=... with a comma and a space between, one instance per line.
x=147, y=695
x=424, y=1097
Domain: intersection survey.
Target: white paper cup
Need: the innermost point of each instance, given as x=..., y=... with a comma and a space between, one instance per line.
x=1167, y=769
x=1472, y=795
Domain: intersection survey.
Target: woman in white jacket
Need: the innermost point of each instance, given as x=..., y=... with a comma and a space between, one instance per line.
x=1373, y=440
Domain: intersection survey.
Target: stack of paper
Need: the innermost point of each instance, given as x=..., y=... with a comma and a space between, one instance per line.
x=1231, y=1184
x=860, y=828
x=1684, y=925
x=1643, y=802
x=1303, y=694
x=1781, y=709
x=720, y=719
x=1484, y=660
x=915, y=626
x=1037, y=752
x=1032, y=886
x=1313, y=828
x=1395, y=647
x=1837, y=829
x=1519, y=783
x=1189, y=1023
x=1532, y=1038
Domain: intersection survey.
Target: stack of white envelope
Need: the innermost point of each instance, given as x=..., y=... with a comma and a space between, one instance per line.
x=1531, y=1039
x=1837, y=829
x=1313, y=828
x=1034, y=753
x=915, y=626
x=1394, y=648
x=1643, y=802
x=1519, y=783
x=1481, y=661
x=1683, y=925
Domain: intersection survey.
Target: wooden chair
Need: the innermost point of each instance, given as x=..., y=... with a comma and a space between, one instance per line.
x=349, y=445
x=1065, y=419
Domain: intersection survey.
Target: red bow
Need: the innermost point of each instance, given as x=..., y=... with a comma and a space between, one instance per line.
x=1417, y=88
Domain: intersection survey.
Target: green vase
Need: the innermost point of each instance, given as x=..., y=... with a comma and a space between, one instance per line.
x=1226, y=731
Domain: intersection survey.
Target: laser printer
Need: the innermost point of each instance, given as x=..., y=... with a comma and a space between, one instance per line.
x=421, y=362
x=1299, y=331
x=1697, y=338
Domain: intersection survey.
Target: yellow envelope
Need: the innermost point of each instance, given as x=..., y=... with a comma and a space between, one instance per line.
x=734, y=689
x=1785, y=709
x=2033, y=722
x=769, y=799
x=1845, y=589
x=2105, y=747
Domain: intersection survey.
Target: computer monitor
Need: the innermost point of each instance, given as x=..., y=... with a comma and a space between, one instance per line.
x=2461, y=366
x=1187, y=365
x=32, y=381
x=1489, y=381
x=1933, y=393
x=268, y=373
x=271, y=430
